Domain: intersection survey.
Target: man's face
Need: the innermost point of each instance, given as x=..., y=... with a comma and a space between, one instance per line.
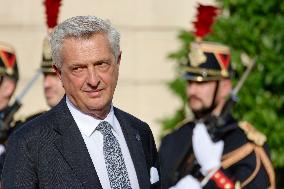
x=53, y=89
x=89, y=73
x=200, y=95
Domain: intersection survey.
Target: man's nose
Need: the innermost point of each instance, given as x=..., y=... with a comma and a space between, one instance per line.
x=93, y=77
x=191, y=87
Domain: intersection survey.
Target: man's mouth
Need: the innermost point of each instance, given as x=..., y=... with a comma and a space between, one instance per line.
x=49, y=93
x=93, y=90
x=194, y=98
x=94, y=93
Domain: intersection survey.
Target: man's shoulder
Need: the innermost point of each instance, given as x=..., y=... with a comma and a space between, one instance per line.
x=183, y=128
x=133, y=121
x=252, y=133
x=243, y=134
x=125, y=115
x=180, y=134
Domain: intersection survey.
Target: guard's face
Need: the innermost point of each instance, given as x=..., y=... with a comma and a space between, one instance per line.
x=7, y=88
x=200, y=95
x=89, y=73
x=53, y=89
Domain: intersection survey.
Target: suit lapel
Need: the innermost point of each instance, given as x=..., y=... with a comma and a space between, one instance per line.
x=135, y=147
x=71, y=145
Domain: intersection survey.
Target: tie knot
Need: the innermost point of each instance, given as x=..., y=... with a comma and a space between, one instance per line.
x=104, y=127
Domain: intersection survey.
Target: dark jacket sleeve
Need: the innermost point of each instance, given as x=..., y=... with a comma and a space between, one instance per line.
x=18, y=171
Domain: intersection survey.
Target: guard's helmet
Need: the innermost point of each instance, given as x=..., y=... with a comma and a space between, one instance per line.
x=8, y=61
x=208, y=61
x=46, y=63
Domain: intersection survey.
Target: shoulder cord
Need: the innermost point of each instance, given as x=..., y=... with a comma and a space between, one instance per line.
x=231, y=158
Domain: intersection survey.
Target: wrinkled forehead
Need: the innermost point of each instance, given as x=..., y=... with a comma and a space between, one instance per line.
x=75, y=40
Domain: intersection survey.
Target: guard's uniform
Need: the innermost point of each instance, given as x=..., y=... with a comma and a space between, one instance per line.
x=245, y=162
x=9, y=69
x=19, y=122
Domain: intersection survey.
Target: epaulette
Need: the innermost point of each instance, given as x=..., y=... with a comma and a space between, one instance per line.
x=256, y=145
x=183, y=122
x=23, y=119
x=252, y=134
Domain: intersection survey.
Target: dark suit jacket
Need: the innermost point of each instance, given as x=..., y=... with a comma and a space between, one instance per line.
x=49, y=152
x=177, y=146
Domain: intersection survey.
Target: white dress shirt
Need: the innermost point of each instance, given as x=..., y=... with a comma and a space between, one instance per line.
x=94, y=142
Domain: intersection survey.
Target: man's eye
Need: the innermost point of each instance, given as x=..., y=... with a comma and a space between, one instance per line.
x=76, y=68
x=102, y=65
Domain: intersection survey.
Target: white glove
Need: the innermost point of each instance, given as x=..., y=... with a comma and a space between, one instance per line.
x=2, y=150
x=187, y=182
x=208, y=154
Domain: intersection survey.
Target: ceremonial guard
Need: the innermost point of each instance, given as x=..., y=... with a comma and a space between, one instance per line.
x=9, y=76
x=53, y=90
x=214, y=150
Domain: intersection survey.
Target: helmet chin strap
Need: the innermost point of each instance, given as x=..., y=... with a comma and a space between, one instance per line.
x=208, y=110
x=1, y=79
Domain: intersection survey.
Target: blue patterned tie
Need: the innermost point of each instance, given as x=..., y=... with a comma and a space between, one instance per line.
x=114, y=161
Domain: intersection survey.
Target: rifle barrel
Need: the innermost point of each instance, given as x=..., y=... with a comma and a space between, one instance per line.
x=28, y=86
x=243, y=78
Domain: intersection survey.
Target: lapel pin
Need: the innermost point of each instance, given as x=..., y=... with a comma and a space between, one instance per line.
x=138, y=137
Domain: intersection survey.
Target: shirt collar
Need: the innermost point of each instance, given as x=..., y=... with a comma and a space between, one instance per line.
x=88, y=124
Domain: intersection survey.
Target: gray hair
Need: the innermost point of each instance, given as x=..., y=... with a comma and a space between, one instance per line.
x=82, y=27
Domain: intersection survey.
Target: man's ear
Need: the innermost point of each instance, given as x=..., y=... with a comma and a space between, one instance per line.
x=57, y=71
x=119, y=58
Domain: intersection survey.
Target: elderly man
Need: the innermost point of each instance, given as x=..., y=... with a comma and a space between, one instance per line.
x=84, y=141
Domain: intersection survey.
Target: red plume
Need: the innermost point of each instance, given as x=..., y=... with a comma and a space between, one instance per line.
x=205, y=19
x=52, y=10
